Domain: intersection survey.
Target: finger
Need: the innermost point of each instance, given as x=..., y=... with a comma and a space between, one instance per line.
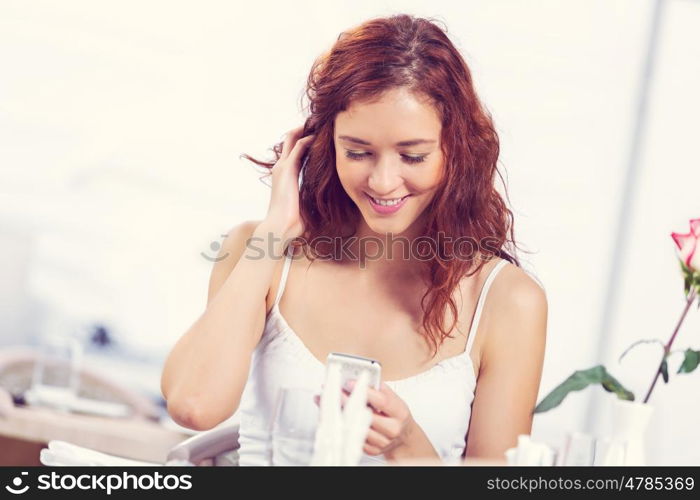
x=385, y=388
x=290, y=139
x=386, y=401
x=389, y=427
x=371, y=450
x=377, y=439
x=299, y=149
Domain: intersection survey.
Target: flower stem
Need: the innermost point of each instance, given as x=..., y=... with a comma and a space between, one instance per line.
x=667, y=347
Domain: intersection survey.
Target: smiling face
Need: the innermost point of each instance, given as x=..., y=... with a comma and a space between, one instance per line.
x=389, y=150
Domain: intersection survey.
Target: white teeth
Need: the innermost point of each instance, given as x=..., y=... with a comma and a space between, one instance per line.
x=387, y=203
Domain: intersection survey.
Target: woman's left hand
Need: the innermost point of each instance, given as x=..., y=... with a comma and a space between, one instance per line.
x=393, y=432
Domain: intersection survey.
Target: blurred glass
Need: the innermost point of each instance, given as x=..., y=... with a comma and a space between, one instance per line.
x=294, y=426
x=56, y=376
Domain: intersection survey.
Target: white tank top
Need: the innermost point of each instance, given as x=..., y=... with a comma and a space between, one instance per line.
x=439, y=398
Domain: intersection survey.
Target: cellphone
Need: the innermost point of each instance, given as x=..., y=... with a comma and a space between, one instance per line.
x=351, y=366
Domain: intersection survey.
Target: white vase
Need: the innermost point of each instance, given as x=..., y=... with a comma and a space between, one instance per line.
x=626, y=443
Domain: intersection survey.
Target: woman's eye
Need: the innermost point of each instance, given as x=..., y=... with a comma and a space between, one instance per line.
x=413, y=159
x=353, y=155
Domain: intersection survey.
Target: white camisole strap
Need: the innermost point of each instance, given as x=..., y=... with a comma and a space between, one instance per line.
x=285, y=272
x=480, y=303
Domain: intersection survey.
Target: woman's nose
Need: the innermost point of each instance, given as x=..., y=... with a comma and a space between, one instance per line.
x=385, y=178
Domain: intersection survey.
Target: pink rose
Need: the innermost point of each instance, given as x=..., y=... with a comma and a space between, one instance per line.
x=688, y=246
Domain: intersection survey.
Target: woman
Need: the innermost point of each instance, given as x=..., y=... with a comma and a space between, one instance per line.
x=397, y=153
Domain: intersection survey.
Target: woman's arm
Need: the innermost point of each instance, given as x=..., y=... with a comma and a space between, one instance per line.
x=510, y=367
x=205, y=373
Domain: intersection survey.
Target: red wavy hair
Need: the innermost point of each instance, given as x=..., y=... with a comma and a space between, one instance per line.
x=414, y=53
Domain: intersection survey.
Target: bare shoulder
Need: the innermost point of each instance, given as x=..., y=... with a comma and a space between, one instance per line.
x=515, y=289
x=230, y=252
x=517, y=315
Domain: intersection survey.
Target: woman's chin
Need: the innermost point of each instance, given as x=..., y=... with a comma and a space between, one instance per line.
x=386, y=226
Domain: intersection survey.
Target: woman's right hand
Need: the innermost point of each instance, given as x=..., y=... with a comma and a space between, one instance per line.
x=283, y=210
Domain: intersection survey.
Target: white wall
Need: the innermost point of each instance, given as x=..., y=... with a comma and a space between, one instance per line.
x=121, y=126
x=651, y=292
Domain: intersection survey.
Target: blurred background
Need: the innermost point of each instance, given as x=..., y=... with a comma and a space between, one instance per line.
x=121, y=126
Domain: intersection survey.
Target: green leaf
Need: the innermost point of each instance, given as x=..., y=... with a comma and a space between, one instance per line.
x=691, y=279
x=691, y=361
x=688, y=277
x=611, y=384
x=664, y=371
x=579, y=380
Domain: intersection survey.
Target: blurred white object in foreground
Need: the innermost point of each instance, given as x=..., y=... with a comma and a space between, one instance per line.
x=341, y=434
x=62, y=453
x=529, y=452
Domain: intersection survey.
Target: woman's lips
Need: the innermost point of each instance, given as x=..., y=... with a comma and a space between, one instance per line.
x=384, y=209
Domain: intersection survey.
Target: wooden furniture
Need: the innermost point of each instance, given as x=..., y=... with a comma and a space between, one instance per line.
x=25, y=430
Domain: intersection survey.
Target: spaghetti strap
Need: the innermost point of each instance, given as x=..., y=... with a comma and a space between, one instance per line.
x=480, y=303
x=283, y=280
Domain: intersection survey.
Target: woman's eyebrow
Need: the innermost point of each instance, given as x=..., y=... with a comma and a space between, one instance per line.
x=412, y=142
